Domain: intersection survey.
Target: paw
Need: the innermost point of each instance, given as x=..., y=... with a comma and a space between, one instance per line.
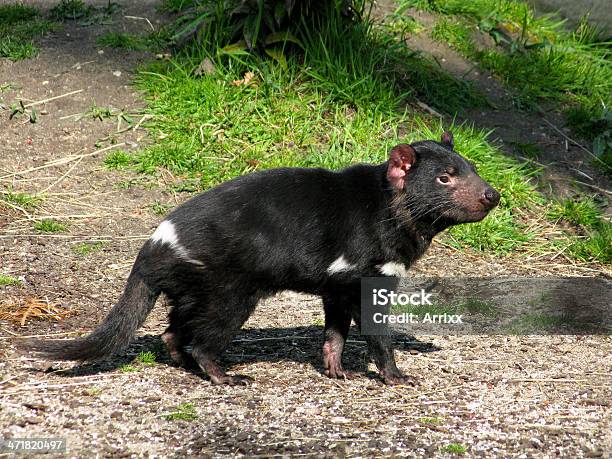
x=338, y=373
x=231, y=380
x=397, y=379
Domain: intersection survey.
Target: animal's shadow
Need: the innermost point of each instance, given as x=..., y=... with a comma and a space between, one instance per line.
x=297, y=344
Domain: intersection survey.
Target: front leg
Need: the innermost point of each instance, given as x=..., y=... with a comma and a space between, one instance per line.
x=337, y=324
x=381, y=351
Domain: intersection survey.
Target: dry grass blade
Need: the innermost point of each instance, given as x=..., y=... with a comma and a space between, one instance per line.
x=19, y=310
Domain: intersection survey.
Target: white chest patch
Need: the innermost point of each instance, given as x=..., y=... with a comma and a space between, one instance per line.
x=340, y=265
x=393, y=268
x=166, y=234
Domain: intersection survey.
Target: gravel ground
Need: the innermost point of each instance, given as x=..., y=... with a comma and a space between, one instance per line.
x=497, y=396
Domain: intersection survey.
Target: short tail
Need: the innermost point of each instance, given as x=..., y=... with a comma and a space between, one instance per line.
x=114, y=334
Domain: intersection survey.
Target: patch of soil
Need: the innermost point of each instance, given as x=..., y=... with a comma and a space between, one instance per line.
x=496, y=395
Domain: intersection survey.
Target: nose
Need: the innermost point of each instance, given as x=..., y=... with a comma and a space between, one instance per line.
x=490, y=198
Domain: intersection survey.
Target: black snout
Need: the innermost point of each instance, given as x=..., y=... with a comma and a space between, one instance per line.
x=490, y=198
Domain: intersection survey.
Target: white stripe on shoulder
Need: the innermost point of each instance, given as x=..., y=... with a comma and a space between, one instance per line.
x=393, y=268
x=340, y=265
x=166, y=234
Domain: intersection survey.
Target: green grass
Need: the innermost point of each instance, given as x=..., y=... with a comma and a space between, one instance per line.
x=595, y=239
x=50, y=226
x=118, y=159
x=595, y=245
x=582, y=211
x=530, y=324
x=341, y=100
x=143, y=359
x=23, y=200
x=159, y=209
x=20, y=25
x=528, y=150
x=87, y=248
x=476, y=306
x=454, y=448
x=128, y=368
x=174, y=6
x=93, y=391
x=70, y=9
x=183, y=412
x=146, y=358
x=121, y=40
x=431, y=420
x=538, y=57
x=8, y=280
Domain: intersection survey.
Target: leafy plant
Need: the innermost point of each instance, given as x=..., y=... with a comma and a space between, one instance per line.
x=70, y=9
x=254, y=24
x=158, y=208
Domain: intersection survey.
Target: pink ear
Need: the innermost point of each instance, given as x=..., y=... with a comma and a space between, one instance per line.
x=448, y=139
x=401, y=159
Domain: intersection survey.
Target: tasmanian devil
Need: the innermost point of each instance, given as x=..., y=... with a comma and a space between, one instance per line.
x=308, y=230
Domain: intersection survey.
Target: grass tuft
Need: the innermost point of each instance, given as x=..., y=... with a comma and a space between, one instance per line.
x=128, y=368
x=454, y=448
x=183, y=412
x=23, y=200
x=576, y=211
x=50, y=226
x=121, y=40
x=146, y=358
x=118, y=159
x=8, y=280
x=432, y=421
x=71, y=9
x=87, y=248
x=159, y=209
x=19, y=26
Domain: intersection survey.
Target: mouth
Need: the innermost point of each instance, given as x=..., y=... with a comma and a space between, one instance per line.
x=468, y=215
x=476, y=216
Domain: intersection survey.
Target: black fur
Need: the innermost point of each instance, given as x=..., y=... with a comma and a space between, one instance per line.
x=279, y=230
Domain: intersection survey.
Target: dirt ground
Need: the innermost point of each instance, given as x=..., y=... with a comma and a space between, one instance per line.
x=499, y=396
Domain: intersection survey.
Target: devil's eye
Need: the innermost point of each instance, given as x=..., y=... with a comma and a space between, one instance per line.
x=443, y=179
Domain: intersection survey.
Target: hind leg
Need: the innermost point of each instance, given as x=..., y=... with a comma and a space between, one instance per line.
x=214, y=329
x=175, y=342
x=176, y=338
x=337, y=324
